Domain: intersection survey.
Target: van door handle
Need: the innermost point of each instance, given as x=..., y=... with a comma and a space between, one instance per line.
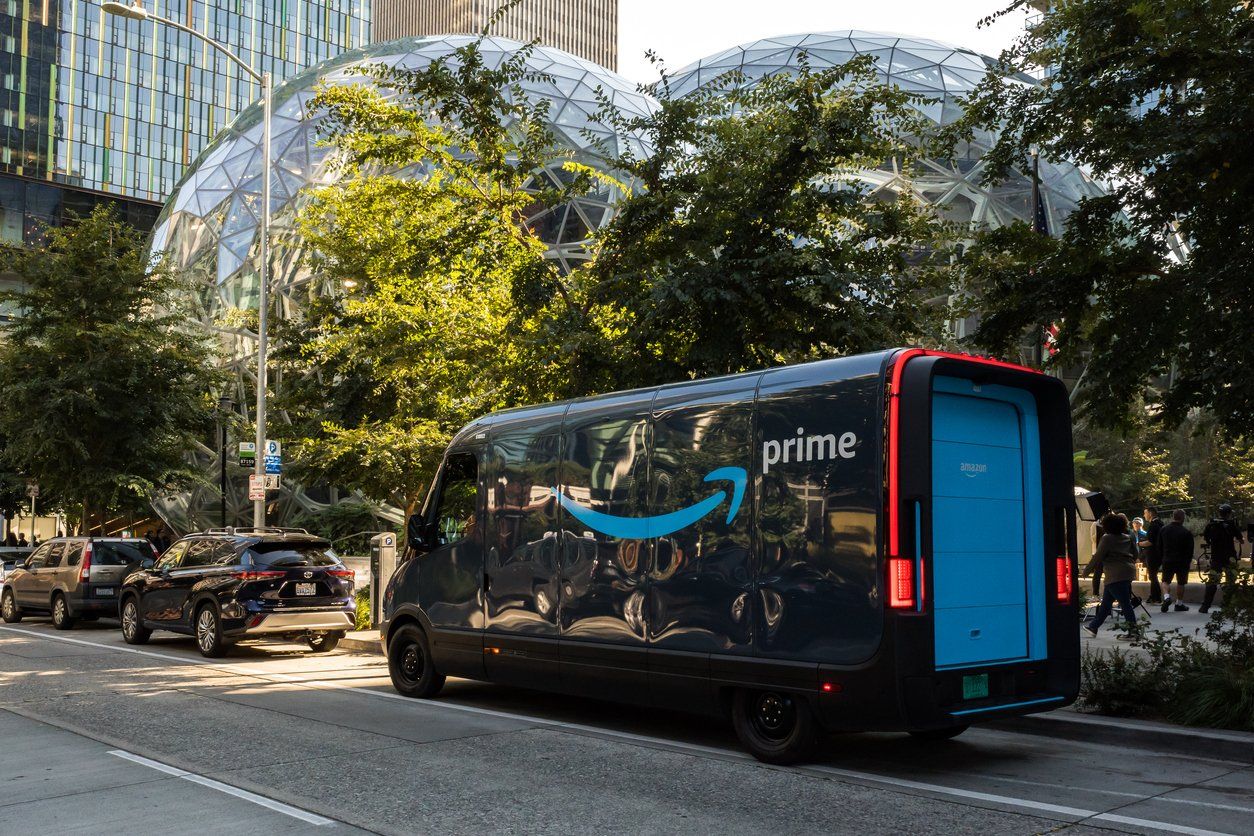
x=487, y=581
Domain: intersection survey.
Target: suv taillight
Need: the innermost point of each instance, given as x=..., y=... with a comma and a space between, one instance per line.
x=84, y=566
x=342, y=572
x=258, y=575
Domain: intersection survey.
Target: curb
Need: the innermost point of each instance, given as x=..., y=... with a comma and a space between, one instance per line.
x=362, y=641
x=1068, y=724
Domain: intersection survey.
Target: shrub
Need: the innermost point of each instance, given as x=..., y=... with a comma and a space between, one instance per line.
x=363, y=608
x=1221, y=695
x=1118, y=683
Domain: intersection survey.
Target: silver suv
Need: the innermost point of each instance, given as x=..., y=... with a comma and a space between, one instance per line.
x=73, y=578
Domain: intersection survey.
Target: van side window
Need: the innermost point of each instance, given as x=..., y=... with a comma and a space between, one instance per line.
x=524, y=512
x=459, y=486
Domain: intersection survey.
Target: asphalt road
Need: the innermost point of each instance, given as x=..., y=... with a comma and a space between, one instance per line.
x=97, y=736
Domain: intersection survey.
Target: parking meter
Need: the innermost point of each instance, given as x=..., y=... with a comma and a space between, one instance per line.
x=382, y=565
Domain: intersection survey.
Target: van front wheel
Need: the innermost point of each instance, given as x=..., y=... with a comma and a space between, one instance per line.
x=776, y=727
x=409, y=663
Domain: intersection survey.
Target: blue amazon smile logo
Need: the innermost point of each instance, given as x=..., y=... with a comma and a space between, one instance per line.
x=642, y=528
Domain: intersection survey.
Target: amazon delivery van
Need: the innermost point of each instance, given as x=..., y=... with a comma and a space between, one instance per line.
x=879, y=542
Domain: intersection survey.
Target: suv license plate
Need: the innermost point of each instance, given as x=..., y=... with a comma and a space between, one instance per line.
x=104, y=591
x=306, y=589
x=975, y=687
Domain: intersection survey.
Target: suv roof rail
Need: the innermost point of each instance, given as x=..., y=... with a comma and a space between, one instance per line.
x=250, y=529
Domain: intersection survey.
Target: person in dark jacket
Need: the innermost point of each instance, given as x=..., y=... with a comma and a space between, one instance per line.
x=1177, y=551
x=1153, y=553
x=1116, y=560
x=1224, y=538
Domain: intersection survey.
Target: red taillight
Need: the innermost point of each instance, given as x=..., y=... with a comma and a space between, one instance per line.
x=253, y=575
x=84, y=566
x=1065, y=592
x=900, y=583
x=342, y=573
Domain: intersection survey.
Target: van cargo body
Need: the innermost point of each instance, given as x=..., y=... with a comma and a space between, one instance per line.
x=880, y=542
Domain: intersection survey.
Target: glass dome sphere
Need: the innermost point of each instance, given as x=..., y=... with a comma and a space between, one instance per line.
x=942, y=73
x=209, y=225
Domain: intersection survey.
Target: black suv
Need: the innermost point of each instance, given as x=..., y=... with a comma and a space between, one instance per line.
x=226, y=584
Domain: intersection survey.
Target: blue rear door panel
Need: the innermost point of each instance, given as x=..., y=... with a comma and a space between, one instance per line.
x=983, y=596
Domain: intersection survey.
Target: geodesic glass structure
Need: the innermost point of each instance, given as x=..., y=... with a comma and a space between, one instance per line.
x=932, y=69
x=210, y=223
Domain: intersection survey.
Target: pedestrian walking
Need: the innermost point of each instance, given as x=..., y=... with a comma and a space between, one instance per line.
x=1115, y=559
x=1177, y=552
x=1224, y=538
x=1153, y=553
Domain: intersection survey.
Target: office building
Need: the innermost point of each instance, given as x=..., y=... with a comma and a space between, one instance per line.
x=587, y=28
x=97, y=107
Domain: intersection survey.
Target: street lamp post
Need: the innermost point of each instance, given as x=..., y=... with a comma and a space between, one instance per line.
x=137, y=12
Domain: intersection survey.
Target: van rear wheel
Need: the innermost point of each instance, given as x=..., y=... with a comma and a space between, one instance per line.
x=775, y=726
x=410, y=665
x=947, y=733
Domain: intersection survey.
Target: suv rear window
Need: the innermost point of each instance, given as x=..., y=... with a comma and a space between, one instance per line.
x=121, y=554
x=284, y=555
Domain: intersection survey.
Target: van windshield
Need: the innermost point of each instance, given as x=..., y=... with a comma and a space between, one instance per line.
x=121, y=554
x=284, y=555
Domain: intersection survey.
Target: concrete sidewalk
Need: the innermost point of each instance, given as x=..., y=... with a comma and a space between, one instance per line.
x=1191, y=623
x=362, y=641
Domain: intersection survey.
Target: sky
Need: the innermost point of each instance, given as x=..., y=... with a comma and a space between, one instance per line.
x=681, y=31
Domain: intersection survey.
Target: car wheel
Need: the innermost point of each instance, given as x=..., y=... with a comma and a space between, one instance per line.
x=933, y=735
x=209, y=632
x=9, y=609
x=133, y=629
x=409, y=663
x=323, y=642
x=776, y=727
x=61, y=618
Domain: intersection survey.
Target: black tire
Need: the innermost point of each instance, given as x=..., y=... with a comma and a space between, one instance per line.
x=62, y=618
x=775, y=726
x=208, y=631
x=937, y=735
x=9, y=610
x=133, y=629
x=409, y=663
x=323, y=642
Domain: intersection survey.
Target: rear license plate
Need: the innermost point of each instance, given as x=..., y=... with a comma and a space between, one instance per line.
x=312, y=589
x=104, y=591
x=975, y=687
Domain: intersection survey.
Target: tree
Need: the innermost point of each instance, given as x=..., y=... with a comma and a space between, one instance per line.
x=753, y=239
x=1152, y=281
x=422, y=339
x=105, y=387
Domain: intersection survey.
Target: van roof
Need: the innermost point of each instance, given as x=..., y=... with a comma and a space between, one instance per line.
x=795, y=376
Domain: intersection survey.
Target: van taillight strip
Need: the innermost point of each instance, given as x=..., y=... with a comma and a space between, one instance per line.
x=893, y=514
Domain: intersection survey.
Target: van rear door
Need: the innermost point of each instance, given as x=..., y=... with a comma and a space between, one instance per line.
x=983, y=482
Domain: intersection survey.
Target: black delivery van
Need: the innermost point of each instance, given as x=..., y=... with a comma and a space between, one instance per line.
x=877, y=542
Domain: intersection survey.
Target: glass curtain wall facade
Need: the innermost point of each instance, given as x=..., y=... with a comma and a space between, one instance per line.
x=587, y=28
x=124, y=107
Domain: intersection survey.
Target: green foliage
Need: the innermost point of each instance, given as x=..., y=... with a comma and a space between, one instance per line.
x=349, y=525
x=752, y=239
x=363, y=608
x=105, y=387
x=422, y=339
x=1118, y=682
x=1152, y=99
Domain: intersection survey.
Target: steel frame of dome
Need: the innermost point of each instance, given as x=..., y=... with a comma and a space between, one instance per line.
x=209, y=225
x=210, y=222
x=938, y=71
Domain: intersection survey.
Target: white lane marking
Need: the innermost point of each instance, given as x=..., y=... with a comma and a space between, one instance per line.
x=1009, y=801
x=260, y=800
x=1022, y=802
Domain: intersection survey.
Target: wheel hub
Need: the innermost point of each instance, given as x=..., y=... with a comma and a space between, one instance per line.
x=411, y=662
x=775, y=715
